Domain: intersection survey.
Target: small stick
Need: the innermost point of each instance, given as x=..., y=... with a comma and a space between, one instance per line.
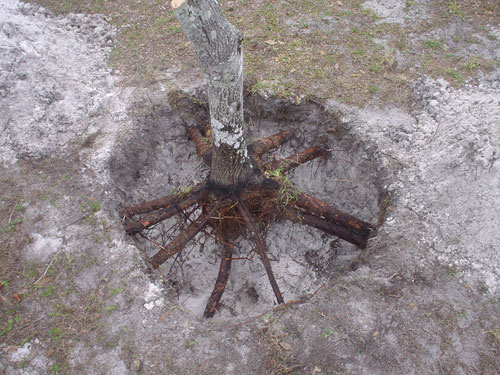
x=27, y=324
x=47, y=269
x=220, y=284
x=12, y=212
x=298, y=301
x=261, y=249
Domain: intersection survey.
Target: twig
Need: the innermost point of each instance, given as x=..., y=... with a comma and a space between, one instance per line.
x=298, y=301
x=27, y=324
x=393, y=275
x=12, y=212
x=47, y=269
x=274, y=309
x=435, y=132
x=73, y=222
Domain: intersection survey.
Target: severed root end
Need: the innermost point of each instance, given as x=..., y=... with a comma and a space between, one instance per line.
x=220, y=284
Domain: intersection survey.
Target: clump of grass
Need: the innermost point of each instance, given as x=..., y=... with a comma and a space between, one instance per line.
x=472, y=64
x=94, y=207
x=288, y=192
x=433, y=44
x=455, y=10
x=455, y=75
x=495, y=333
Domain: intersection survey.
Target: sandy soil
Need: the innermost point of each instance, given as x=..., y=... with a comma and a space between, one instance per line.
x=76, y=296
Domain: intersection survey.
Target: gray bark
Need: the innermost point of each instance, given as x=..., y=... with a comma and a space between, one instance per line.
x=218, y=46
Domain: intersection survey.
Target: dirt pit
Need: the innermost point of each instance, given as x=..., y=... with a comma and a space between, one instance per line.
x=156, y=158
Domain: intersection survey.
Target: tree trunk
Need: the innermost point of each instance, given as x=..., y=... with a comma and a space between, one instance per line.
x=218, y=46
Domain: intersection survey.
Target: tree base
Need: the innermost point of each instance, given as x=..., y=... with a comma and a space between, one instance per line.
x=232, y=212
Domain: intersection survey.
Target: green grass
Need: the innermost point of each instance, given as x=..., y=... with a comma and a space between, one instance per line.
x=49, y=291
x=327, y=333
x=454, y=9
x=8, y=327
x=496, y=334
x=94, y=207
x=433, y=44
x=117, y=291
x=56, y=333
x=109, y=309
x=292, y=65
x=455, y=75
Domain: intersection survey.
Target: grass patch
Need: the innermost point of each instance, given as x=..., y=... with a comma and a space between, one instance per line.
x=433, y=44
x=495, y=333
x=454, y=9
x=455, y=75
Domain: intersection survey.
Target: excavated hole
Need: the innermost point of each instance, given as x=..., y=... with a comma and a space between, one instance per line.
x=157, y=158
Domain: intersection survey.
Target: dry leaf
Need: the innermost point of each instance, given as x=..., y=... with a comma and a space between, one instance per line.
x=4, y=301
x=68, y=258
x=18, y=297
x=271, y=42
x=43, y=281
x=163, y=316
x=286, y=345
x=137, y=364
x=12, y=348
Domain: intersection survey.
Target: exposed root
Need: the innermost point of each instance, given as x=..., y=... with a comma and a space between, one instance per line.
x=261, y=249
x=183, y=238
x=202, y=144
x=155, y=204
x=318, y=207
x=167, y=212
x=326, y=226
x=230, y=213
x=293, y=161
x=262, y=145
x=220, y=284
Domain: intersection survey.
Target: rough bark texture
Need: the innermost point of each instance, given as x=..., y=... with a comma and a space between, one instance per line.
x=218, y=46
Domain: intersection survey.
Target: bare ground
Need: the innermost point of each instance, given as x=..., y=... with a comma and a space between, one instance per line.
x=410, y=96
